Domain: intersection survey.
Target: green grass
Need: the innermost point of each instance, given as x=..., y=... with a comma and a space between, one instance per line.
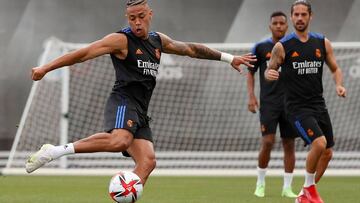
x=52, y=189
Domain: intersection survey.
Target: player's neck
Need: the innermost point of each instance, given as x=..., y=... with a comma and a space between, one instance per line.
x=275, y=40
x=145, y=37
x=303, y=35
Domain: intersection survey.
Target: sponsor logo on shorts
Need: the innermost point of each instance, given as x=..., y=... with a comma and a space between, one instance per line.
x=310, y=132
x=263, y=129
x=130, y=123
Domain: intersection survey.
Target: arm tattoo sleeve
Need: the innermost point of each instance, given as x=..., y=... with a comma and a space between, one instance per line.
x=203, y=52
x=276, y=58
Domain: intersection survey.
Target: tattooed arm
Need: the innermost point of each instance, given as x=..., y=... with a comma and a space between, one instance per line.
x=193, y=50
x=277, y=58
x=200, y=51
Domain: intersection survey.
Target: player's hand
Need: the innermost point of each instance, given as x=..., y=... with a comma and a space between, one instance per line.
x=37, y=73
x=253, y=104
x=271, y=75
x=246, y=59
x=341, y=91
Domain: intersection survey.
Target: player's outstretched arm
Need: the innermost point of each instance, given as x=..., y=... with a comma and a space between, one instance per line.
x=200, y=51
x=113, y=43
x=277, y=58
x=334, y=68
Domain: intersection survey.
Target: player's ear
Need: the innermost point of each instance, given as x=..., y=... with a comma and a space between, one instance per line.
x=151, y=14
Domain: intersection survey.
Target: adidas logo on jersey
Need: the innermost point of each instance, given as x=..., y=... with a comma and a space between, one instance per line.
x=294, y=54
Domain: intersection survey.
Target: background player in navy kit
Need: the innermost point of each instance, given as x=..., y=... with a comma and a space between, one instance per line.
x=136, y=55
x=272, y=110
x=301, y=55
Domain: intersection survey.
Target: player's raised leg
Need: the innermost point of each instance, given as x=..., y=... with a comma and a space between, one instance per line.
x=317, y=149
x=116, y=141
x=326, y=156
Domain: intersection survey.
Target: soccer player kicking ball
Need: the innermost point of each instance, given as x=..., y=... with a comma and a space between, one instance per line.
x=135, y=53
x=301, y=55
x=272, y=110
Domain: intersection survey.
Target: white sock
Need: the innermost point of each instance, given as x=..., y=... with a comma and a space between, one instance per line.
x=261, y=176
x=59, y=151
x=301, y=192
x=288, y=177
x=309, y=179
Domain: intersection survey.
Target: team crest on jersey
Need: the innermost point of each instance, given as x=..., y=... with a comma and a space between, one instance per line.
x=318, y=53
x=294, y=54
x=157, y=53
x=139, y=52
x=268, y=55
x=130, y=123
x=310, y=132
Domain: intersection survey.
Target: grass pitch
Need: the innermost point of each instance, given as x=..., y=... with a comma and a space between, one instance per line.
x=69, y=189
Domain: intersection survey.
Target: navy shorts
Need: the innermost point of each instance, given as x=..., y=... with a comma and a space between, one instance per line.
x=311, y=125
x=271, y=117
x=121, y=113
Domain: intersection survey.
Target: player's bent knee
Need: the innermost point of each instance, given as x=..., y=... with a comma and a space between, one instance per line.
x=151, y=162
x=120, y=141
x=120, y=146
x=320, y=142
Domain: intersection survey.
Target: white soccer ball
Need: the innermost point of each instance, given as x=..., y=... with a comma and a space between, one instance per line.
x=125, y=187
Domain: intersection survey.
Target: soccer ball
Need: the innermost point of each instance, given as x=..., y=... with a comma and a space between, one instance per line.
x=125, y=187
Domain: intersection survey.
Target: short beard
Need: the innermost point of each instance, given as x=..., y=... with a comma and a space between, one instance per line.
x=301, y=30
